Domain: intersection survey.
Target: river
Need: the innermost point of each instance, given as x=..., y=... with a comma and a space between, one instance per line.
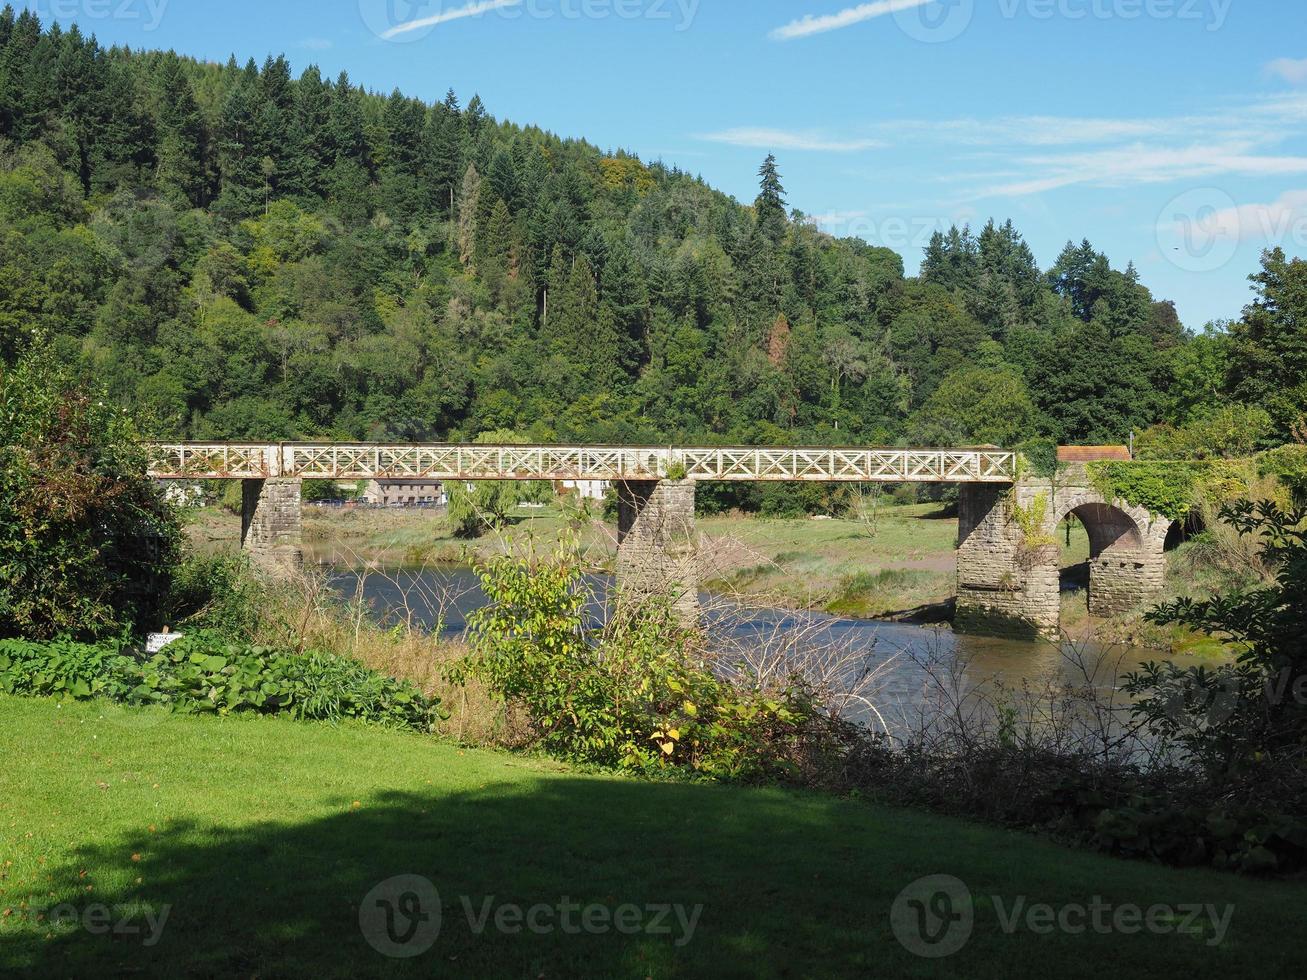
x=899, y=669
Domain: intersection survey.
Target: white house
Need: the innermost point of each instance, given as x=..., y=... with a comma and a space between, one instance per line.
x=405, y=493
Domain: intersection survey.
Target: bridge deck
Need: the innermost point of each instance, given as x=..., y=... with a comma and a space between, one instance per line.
x=346, y=461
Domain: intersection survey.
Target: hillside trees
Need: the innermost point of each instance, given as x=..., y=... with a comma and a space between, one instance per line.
x=246, y=252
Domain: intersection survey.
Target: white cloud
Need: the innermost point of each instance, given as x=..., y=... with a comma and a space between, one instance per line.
x=779, y=139
x=1291, y=70
x=1282, y=222
x=1138, y=163
x=316, y=43
x=471, y=10
x=808, y=25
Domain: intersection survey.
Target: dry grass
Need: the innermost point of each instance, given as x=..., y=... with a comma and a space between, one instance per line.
x=304, y=612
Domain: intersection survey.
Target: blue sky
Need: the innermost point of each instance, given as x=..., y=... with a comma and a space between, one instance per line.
x=1168, y=132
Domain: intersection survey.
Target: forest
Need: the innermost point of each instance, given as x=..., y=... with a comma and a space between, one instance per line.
x=239, y=253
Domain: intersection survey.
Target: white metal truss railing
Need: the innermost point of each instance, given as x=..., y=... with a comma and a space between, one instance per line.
x=345, y=461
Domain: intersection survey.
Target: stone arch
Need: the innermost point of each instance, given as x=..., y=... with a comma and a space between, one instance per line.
x=1126, y=549
x=1009, y=584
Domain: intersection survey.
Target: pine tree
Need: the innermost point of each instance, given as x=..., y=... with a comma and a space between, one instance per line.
x=769, y=208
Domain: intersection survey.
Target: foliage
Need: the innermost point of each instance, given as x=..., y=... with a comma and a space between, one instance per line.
x=203, y=673
x=1231, y=431
x=87, y=543
x=633, y=694
x=1040, y=456
x=1171, y=489
x=1288, y=465
x=1168, y=489
x=245, y=254
x=1234, y=718
x=1268, y=346
x=216, y=593
x=1031, y=520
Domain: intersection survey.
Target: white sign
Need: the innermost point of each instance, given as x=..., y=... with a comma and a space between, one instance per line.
x=157, y=641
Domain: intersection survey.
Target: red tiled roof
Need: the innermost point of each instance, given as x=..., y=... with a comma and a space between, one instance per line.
x=1091, y=454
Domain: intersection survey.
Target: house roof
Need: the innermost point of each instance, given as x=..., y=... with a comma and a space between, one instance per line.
x=1092, y=454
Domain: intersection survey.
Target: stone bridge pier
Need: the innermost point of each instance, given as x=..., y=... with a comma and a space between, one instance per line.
x=1009, y=559
x=272, y=524
x=656, y=544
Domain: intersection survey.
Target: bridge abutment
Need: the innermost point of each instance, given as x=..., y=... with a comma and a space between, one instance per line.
x=1009, y=560
x=271, y=524
x=655, y=544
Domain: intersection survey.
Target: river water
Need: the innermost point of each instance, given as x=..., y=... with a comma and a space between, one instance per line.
x=900, y=669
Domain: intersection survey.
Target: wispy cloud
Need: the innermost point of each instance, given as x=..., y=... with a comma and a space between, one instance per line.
x=1283, y=220
x=1291, y=70
x=316, y=43
x=471, y=10
x=808, y=25
x=780, y=139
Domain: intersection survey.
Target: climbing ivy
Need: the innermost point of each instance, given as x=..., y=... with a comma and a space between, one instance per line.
x=1040, y=457
x=1170, y=489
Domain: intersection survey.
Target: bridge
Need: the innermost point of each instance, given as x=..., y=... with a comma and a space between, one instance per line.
x=343, y=461
x=1008, y=561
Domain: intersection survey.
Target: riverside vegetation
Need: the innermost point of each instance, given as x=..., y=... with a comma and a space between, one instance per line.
x=1163, y=777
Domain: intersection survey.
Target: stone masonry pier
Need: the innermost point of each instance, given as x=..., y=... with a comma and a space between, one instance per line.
x=1009, y=579
x=656, y=544
x=271, y=524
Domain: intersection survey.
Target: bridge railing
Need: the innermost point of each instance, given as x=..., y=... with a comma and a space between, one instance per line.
x=348, y=461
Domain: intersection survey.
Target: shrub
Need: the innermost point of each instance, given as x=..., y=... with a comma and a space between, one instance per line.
x=1288, y=464
x=87, y=543
x=634, y=693
x=203, y=673
x=1232, y=431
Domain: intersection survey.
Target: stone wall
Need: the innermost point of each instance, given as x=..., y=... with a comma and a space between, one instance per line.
x=656, y=554
x=1009, y=584
x=271, y=524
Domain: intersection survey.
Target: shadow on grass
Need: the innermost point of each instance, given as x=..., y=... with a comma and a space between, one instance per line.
x=284, y=900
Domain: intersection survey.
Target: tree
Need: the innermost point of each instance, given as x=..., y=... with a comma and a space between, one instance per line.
x=977, y=405
x=1268, y=346
x=769, y=208
x=87, y=544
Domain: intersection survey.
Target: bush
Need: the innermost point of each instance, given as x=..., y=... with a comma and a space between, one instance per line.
x=203, y=673
x=87, y=543
x=216, y=593
x=633, y=694
x=1232, y=431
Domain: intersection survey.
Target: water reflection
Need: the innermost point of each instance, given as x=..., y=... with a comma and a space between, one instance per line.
x=905, y=660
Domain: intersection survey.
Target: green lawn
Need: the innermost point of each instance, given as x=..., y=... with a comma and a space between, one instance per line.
x=263, y=837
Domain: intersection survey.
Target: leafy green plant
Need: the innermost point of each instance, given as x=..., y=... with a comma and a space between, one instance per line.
x=1030, y=519
x=634, y=693
x=87, y=543
x=202, y=673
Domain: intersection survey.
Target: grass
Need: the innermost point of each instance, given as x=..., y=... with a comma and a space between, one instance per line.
x=264, y=837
